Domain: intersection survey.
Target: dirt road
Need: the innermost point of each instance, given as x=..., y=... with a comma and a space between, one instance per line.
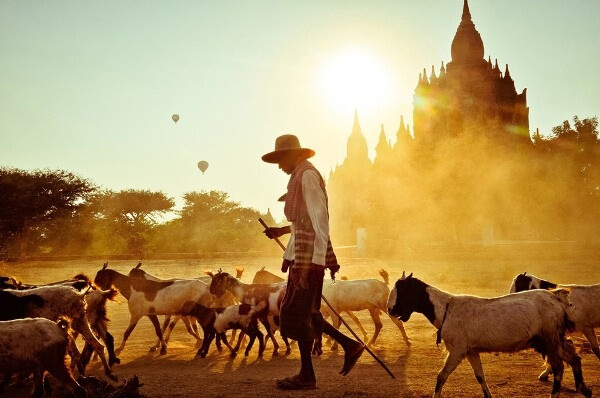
x=180, y=374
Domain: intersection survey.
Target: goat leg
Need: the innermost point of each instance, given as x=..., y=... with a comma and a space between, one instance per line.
x=83, y=328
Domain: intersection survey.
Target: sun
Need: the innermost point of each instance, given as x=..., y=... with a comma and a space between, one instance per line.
x=354, y=78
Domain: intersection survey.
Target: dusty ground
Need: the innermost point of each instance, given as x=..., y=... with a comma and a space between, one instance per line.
x=180, y=374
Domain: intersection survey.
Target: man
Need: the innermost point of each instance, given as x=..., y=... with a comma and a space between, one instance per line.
x=308, y=254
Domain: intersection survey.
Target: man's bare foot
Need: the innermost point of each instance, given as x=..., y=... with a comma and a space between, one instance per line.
x=351, y=355
x=296, y=382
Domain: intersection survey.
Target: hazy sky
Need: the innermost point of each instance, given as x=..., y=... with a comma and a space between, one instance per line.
x=90, y=86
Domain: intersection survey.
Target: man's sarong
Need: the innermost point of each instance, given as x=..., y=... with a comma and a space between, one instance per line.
x=300, y=312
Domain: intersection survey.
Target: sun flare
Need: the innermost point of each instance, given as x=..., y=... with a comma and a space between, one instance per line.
x=355, y=78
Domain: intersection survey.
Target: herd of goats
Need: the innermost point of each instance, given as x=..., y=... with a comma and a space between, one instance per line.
x=40, y=323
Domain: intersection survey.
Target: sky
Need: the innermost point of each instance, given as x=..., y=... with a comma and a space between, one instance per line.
x=90, y=86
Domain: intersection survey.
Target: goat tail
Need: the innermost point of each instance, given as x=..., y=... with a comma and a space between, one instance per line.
x=82, y=277
x=386, y=277
x=110, y=294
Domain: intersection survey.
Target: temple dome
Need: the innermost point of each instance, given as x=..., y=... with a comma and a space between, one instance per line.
x=467, y=45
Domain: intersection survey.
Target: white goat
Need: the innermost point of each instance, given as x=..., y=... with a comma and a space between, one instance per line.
x=151, y=298
x=224, y=301
x=63, y=301
x=189, y=323
x=469, y=325
x=36, y=345
x=357, y=295
x=583, y=310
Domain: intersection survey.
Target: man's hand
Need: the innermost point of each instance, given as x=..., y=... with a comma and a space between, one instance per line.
x=272, y=232
x=276, y=232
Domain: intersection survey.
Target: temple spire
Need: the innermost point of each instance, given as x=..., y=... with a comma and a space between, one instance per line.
x=356, y=126
x=507, y=73
x=383, y=145
x=467, y=46
x=401, y=129
x=357, y=144
x=466, y=15
x=382, y=138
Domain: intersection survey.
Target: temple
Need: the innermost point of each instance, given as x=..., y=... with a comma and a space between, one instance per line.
x=469, y=89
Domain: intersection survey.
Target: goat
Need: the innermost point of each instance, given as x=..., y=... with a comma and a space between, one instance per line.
x=36, y=345
x=97, y=316
x=583, y=310
x=253, y=294
x=95, y=310
x=190, y=327
x=524, y=282
x=357, y=295
x=152, y=298
x=226, y=300
x=16, y=307
x=8, y=282
x=263, y=276
x=216, y=321
x=469, y=325
x=58, y=301
x=348, y=296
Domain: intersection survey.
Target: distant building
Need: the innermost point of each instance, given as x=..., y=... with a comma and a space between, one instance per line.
x=349, y=181
x=468, y=89
x=468, y=95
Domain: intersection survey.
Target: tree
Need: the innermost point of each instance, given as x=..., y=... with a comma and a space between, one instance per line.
x=211, y=222
x=133, y=214
x=30, y=198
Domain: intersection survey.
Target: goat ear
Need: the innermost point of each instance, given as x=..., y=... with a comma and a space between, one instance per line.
x=105, y=265
x=138, y=266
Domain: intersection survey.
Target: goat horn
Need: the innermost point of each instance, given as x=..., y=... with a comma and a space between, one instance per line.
x=403, y=274
x=410, y=276
x=138, y=266
x=105, y=265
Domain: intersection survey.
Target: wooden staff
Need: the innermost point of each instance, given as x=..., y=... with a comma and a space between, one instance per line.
x=260, y=220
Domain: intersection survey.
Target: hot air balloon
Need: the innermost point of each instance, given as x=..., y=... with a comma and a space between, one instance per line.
x=203, y=165
x=175, y=117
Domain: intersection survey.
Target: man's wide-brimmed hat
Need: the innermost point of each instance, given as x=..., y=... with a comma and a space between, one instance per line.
x=286, y=145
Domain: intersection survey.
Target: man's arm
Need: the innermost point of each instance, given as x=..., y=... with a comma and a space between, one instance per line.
x=316, y=204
